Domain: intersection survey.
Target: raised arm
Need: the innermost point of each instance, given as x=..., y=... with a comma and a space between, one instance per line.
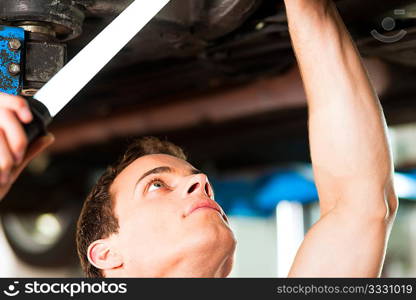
x=350, y=153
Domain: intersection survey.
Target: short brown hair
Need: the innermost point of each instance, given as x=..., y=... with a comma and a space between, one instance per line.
x=97, y=219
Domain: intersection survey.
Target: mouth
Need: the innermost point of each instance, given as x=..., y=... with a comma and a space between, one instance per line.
x=206, y=205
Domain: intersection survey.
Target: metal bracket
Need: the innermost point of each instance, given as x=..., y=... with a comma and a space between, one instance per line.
x=12, y=41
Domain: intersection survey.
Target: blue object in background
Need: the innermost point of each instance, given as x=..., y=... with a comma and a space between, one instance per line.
x=260, y=195
x=236, y=196
x=10, y=84
x=405, y=185
x=287, y=185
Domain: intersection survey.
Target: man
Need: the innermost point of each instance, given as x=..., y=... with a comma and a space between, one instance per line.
x=153, y=214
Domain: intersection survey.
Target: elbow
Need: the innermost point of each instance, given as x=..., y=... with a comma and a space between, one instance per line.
x=384, y=209
x=388, y=209
x=392, y=204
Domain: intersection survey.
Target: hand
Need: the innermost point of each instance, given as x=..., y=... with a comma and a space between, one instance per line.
x=14, y=155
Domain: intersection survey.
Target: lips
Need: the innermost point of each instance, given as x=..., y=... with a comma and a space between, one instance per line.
x=205, y=203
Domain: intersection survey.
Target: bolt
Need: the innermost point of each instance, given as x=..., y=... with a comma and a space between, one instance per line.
x=15, y=44
x=14, y=69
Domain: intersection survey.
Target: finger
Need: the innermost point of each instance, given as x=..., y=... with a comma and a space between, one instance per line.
x=15, y=135
x=35, y=149
x=18, y=105
x=6, y=160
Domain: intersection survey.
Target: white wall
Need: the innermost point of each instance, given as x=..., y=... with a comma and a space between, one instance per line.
x=256, y=247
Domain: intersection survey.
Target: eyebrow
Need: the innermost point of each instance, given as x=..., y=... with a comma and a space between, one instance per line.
x=165, y=169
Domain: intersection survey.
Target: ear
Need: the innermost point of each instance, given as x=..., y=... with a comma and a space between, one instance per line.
x=102, y=256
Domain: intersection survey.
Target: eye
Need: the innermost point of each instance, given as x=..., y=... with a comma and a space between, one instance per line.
x=155, y=184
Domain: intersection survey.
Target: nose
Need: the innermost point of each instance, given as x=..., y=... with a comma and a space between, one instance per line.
x=199, y=184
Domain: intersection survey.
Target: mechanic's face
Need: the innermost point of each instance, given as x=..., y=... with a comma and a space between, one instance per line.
x=169, y=223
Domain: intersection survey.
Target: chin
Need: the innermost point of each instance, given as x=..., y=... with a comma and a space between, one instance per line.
x=211, y=234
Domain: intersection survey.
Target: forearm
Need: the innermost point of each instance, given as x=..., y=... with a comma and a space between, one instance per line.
x=349, y=148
